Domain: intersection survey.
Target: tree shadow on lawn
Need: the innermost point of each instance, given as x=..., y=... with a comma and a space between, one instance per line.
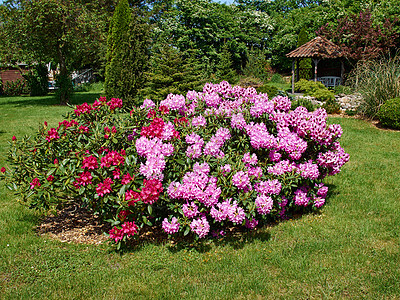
x=50, y=100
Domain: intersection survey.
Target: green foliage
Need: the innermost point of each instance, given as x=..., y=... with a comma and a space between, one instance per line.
x=257, y=65
x=342, y=89
x=37, y=80
x=97, y=87
x=303, y=102
x=67, y=32
x=389, y=113
x=331, y=107
x=377, y=81
x=224, y=68
x=127, y=54
x=64, y=87
x=314, y=89
x=305, y=63
x=270, y=90
x=307, y=86
x=277, y=78
x=15, y=88
x=172, y=71
x=323, y=94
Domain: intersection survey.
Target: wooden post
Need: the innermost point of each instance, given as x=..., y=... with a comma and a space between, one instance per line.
x=341, y=72
x=316, y=61
x=293, y=76
x=297, y=70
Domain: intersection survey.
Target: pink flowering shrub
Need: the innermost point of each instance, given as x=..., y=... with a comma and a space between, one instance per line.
x=193, y=164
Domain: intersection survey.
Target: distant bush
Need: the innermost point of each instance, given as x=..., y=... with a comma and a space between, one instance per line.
x=331, y=107
x=307, y=86
x=277, y=78
x=37, y=80
x=341, y=89
x=323, y=94
x=314, y=89
x=389, y=113
x=377, y=81
x=15, y=88
x=303, y=102
x=270, y=90
x=250, y=81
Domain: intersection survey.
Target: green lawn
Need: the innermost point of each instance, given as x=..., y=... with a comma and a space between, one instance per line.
x=350, y=250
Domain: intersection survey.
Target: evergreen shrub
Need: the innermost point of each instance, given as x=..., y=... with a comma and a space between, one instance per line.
x=314, y=89
x=303, y=102
x=195, y=165
x=389, y=113
x=331, y=107
x=270, y=90
x=37, y=80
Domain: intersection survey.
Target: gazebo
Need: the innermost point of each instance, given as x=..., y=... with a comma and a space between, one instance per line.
x=317, y=49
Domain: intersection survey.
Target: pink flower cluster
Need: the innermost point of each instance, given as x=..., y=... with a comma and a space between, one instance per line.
x=200, y=226
x=229, y=210
x=213, y=147
x=170, y=227
x=196, y=185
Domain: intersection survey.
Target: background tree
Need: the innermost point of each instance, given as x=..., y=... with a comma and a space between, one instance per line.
x=172, y=71
x=127, y=53
x=305, y=63
x=359, y=37
x=66, y=32
x=224, y=68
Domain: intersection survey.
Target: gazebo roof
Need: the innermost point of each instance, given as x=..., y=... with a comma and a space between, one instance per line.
x=318, y=47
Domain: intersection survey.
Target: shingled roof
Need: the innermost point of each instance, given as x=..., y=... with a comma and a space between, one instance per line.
x=318, y=47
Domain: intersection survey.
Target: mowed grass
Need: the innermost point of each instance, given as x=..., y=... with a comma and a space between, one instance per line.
x=350, y=249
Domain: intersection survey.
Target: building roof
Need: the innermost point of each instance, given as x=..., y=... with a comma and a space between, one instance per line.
x=318, y=47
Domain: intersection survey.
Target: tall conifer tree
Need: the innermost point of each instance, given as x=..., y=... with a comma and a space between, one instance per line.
x=127, y=54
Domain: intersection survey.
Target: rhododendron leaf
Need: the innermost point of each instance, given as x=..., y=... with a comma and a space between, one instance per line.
x=180, y=161
x=122, y=190
x=186, y=231
x=114, y=140
x=150, y=209
x=51, y=171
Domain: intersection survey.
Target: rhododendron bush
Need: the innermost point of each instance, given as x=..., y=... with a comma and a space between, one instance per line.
x=195, y=164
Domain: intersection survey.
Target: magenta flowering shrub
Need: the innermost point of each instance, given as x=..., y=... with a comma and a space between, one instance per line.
x=193, y=164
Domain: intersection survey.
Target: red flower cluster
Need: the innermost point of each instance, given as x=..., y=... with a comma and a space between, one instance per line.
x=85, y=178
x=181, y=121
x=83, y=129
x=52, y=134
x=155, y=129
x=67, y=124
x=164, y=110
x=114, y=103
x=35, y=182
x=102, y=101
x=151, y=191
x=82, y=109
x=126, y=179
x=3, y=170
x=112, y=158
x=128, y=228
x=90, y=163
x=50, y=178
x=104, y=187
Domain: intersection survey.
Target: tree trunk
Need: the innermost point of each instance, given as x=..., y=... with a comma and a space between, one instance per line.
x=63, y=77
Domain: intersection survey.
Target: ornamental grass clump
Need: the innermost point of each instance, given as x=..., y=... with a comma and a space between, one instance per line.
x=194, y=165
